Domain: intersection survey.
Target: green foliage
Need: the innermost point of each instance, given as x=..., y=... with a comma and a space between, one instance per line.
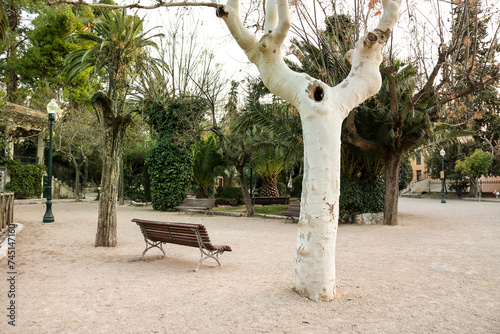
x=170, y=161
x=475, y=165
x=360, y=195
x=207, y=162
x=229, y=196
x=356, y=161
x=3, y=134
x=179, y=119
x=39, y=63
x=26, y=180
x=453, y=153
x=374, y=121
x=117, y=48
x=281, y=188
x=323, y=58
x=4, y=25
x=170, y=168
x=405, y=173
x=297, y=186
x=136, y=177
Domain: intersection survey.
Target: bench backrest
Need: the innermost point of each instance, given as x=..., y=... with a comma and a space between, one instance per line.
x=293, y=209
x=175, y=233
x=200, y=202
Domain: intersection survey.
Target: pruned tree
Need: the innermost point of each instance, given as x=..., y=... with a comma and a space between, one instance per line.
x=322, y=109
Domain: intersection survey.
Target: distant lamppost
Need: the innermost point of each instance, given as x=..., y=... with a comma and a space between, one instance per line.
x=442, y=152
x=52, y=109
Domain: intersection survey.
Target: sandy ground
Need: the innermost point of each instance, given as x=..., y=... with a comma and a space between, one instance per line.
x=438, y=272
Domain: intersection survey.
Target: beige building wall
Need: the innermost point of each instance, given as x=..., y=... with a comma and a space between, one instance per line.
x=419, y=168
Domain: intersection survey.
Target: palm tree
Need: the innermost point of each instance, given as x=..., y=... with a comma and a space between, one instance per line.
x=207, y=162
x=117, y=52
x=268, y=164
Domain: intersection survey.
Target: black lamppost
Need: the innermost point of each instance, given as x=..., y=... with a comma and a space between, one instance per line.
x=442, y=152
x=52, y=109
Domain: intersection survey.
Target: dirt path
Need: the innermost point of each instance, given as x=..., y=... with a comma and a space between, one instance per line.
x=438, y=272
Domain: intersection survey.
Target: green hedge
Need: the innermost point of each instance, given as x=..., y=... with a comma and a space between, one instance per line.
x=171, y=174
x=25, y=180
x=229, y=196
x=361, y=195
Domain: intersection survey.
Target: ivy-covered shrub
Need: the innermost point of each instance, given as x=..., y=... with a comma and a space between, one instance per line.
x=170, y=161
x=229, y=196
x=25, y=180
x=170, y=168
x=361, y=195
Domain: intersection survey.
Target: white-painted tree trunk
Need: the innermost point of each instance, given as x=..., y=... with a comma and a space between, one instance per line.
x=322, y=110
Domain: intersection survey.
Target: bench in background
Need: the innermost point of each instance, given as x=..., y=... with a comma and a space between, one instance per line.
x=202, y=204
x=280, y=200
x=292, y=212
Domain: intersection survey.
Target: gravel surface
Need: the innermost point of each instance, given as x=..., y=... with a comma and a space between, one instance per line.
x=437, y=272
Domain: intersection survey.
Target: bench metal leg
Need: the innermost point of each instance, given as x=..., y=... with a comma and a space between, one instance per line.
x=205, y=254
x=151, y=244
x=208, y=254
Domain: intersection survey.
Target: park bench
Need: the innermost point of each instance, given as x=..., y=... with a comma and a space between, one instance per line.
x=279, y=200
x=192, y=235
x=202, y=204
x=292, y=211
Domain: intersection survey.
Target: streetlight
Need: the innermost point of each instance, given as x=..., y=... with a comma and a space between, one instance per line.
x=442, y=152
x=52, y=109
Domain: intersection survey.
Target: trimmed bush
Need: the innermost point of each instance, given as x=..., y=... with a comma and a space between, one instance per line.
x=364, y=194
x=171, y=174
x=229, y=196
x=25, y=180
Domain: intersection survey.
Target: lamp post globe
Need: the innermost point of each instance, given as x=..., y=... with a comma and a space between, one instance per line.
x=442, y=153
x=52, y=109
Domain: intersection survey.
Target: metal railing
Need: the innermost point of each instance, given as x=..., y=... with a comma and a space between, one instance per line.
x=6, y=210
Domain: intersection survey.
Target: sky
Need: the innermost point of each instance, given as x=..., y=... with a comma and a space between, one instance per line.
x=212, y=34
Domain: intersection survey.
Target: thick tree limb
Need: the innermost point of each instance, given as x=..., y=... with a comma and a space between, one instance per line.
x=364, y=79
x=136, y=5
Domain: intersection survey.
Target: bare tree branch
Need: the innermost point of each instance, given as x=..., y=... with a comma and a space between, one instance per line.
x=160, y=3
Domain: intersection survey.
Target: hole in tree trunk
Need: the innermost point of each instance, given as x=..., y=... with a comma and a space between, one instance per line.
x=318, y=94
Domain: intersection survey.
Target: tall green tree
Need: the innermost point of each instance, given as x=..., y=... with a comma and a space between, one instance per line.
x=40, y=66
x=14, y=42
x=473, y=167
x=119, y=49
